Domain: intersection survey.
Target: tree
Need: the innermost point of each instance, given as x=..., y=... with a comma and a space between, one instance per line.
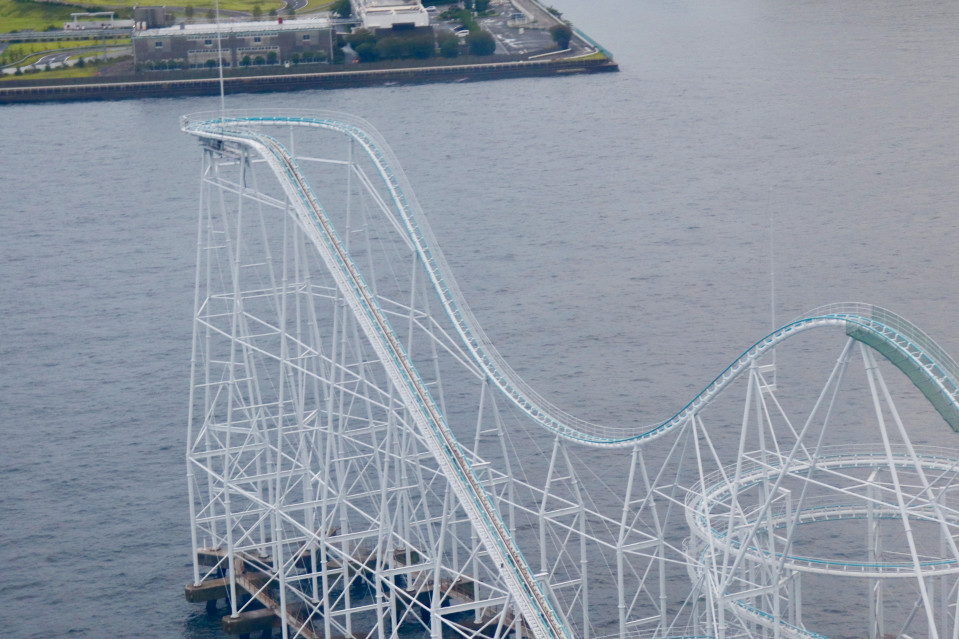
x=562, y=34
x=342, y=8
x=210, y=63
x=388, y=49
x=259, y=60
x=210, y=14
x=449, y=45
x=257, y=11
x=189, y=11
x=366, y=51
x=361, y=36
x=480, y=5
x=246, y=61
x=481, y=42
x=81, y=62
x=421, y=47
x=290, y=11
x=273, y=12
x=295, y=58
x=271, y=57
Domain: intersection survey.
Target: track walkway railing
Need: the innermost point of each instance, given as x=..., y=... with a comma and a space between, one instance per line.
x=930, y=368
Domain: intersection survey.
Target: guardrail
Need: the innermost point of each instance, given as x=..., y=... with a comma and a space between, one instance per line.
x=79, y=34
x=96, y=89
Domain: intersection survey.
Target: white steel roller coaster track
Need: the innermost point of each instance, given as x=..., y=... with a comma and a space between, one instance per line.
x=900, y=335
x=536, y=608
x=885, y=331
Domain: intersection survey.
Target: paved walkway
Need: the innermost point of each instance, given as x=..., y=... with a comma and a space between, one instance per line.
x=538, y=12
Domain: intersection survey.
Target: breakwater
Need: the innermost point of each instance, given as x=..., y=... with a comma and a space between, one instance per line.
x=73, y=90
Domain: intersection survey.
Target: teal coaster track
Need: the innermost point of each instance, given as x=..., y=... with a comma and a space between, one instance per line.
x=931, y=369
x=934, y=373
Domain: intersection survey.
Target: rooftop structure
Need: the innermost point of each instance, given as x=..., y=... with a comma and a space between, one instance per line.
x=391, y=14
x=96, y=20
x=236, y=26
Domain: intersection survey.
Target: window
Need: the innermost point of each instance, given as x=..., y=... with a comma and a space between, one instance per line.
x=208, y=43
x=256, y=38
x=158, y=44
x=306, y=36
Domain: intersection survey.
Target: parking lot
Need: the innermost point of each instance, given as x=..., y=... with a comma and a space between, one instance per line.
x=515, y=33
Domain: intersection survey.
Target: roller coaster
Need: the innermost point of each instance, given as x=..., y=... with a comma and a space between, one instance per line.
x=362, y=462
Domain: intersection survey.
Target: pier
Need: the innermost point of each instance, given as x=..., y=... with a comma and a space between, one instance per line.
x=259, y=610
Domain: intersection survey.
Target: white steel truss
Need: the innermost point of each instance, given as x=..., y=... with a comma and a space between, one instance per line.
x=362, y=463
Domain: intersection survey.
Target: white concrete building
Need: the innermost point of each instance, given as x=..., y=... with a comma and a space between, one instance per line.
x=391, y=14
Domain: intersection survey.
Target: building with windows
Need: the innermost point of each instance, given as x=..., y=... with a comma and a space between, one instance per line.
x=274, y=41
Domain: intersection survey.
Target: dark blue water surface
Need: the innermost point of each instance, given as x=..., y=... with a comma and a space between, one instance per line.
x=611, y=232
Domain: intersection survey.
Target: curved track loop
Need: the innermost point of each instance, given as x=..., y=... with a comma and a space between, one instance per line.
x=933, y=371
x=712, y=492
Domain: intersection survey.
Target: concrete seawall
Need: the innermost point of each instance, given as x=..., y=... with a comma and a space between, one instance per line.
x=128, y=89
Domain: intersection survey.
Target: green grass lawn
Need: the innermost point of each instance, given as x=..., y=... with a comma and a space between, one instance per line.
x=24, y=53
x=39, y=16
x=87, y=71
x=26, y=14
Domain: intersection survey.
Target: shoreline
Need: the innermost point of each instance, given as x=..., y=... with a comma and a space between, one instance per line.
x=71, y=90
